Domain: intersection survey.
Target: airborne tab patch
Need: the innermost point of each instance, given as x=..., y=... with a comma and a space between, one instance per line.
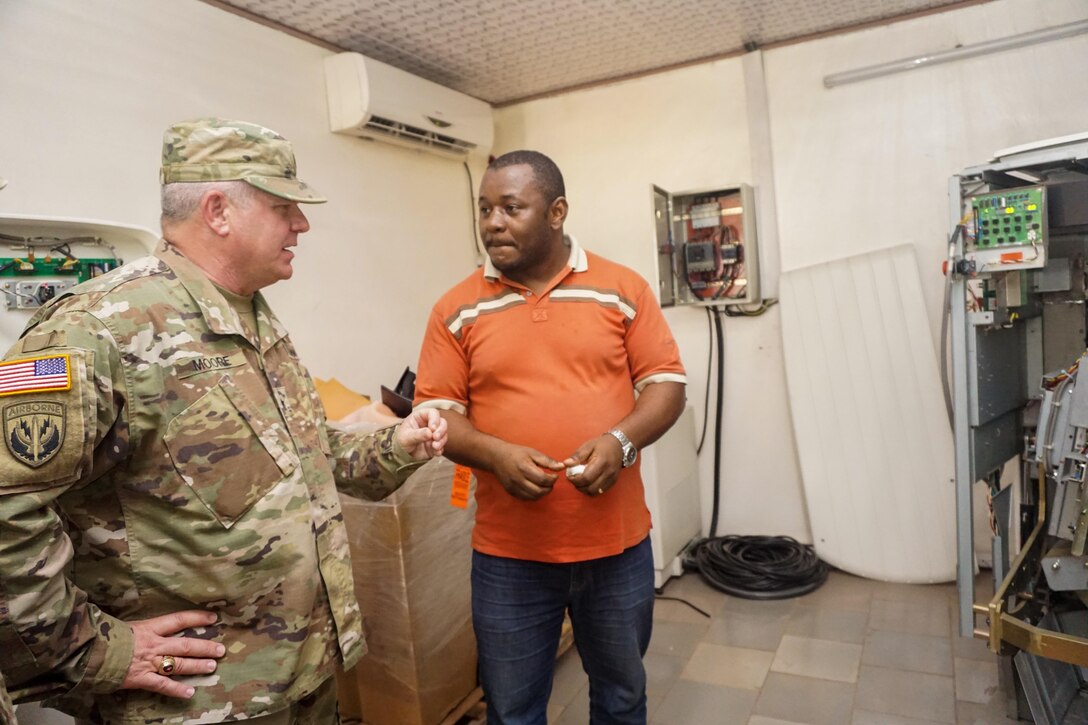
x=35, y=375
x=34, y=430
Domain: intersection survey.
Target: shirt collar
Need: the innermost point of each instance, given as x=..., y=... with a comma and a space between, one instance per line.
x=219, y=315
x=577, y=261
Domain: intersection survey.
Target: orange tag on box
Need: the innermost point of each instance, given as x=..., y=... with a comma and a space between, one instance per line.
x=462, y=482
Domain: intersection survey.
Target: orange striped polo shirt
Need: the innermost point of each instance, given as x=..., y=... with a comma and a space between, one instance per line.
x=550, y=372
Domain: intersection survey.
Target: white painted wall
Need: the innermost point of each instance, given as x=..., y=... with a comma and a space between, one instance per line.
x=86, y=90
x=856, y=168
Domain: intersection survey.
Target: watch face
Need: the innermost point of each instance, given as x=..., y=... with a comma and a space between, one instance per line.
x=629, y=455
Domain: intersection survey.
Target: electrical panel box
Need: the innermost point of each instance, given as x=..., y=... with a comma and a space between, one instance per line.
x=706, y=247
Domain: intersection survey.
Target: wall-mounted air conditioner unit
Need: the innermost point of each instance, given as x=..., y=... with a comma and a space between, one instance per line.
x=374, y=100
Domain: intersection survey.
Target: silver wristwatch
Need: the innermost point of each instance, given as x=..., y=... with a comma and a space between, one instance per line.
x=630, y=453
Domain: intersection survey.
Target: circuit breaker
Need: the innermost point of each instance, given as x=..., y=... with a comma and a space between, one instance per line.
x=706, y=246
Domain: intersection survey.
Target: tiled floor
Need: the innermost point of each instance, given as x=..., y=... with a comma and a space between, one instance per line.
x=855, y=652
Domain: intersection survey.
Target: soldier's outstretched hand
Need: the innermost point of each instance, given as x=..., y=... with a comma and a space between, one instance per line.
x=423, y=434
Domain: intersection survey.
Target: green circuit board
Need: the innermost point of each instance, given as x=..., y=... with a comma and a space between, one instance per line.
x=1010, y=218
x=82, y=269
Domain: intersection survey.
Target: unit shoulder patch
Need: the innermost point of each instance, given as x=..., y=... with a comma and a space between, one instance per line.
x=47, y=418
x=34, y=430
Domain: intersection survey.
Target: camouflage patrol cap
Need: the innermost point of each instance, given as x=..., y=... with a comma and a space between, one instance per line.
x=217, y=149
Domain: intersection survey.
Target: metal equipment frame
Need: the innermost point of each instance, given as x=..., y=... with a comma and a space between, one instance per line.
x=1016, y=621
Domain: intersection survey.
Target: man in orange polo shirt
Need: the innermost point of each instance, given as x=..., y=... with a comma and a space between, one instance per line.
x=553, y=366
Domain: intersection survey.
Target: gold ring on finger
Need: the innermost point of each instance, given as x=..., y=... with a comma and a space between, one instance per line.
x=167, y=665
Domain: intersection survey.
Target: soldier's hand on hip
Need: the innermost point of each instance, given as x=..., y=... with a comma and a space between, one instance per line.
x=157, y=655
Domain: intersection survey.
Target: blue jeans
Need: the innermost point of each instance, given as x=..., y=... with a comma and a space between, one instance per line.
x=517, y=613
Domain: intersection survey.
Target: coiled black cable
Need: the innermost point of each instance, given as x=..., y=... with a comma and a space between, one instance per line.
x=758, y=567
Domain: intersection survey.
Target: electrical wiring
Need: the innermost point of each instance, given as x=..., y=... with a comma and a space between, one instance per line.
x=758, y=567
x=735, y=272
x=761, y=308
x=1032, y=258
x=753, y=567
x=993, y=488
x=706, y=393
x=70, y=259
x=727, y=235
x=1050, y=383
x=58, y=244
x=700, y=610
x=718, y=421
x=975, y=304
x=473, y=213
x=946, y=313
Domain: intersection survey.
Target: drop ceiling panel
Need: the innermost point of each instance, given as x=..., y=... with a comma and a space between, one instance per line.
x=502, y=51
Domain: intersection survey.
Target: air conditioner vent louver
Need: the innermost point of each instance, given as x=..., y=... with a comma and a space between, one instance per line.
x=420, y=135
x=374, y=100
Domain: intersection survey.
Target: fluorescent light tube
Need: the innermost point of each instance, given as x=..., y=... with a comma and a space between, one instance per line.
x=965, y=51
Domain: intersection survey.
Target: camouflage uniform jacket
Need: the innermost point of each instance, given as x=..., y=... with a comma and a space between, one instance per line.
x=7, y=710
x=185, y=468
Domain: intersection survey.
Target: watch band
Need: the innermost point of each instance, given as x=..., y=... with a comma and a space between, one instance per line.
x=630, y=453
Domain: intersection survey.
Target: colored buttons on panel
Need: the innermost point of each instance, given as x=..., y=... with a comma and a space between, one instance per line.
x=1008, y=218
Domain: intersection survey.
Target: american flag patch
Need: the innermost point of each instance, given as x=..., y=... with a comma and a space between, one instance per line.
x=35, y=375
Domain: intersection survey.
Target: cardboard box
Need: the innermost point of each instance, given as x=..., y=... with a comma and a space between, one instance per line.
x=338, y=400
x=412, y=558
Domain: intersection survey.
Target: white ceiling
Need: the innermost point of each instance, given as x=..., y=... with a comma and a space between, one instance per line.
x=502, y=51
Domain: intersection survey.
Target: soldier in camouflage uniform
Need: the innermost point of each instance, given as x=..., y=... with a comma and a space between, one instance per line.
x=172, y=548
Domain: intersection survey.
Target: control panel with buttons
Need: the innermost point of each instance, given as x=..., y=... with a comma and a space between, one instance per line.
x=1010, y=229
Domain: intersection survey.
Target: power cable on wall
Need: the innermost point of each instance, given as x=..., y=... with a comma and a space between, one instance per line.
x=478, y=252
x=719, y=337
x=946, y=312
x=706, y=392
x=751, y=567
